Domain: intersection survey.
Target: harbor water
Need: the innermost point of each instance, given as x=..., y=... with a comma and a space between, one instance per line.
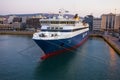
x=20, y=60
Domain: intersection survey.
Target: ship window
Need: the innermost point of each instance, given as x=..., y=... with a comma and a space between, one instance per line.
x=62, y=22
x=40, y=21
x=52, y=35
x=67, y=22
x=52, y=27
x=44, y=22
x=42, y=35
x=56, y=28
x=54, y=22
x=55, y=34
x=61, y=27
x=48, y=27
x=57, y=22
x=71, y=22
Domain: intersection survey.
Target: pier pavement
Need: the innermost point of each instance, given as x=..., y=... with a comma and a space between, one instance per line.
x=113, y=42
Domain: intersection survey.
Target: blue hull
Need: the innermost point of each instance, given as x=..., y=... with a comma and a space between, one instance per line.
x=52, y=47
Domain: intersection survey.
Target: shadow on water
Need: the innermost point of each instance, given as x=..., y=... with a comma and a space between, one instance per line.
x=55, y=67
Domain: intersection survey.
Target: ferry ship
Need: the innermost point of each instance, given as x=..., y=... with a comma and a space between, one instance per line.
x=60, y=34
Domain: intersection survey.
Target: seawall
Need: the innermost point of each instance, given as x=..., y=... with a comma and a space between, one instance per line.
x=17, y=32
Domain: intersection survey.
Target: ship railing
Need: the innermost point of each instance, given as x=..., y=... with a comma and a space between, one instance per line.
x=60, y=24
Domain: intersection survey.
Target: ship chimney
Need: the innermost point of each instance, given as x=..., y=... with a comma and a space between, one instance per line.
x=76, y=17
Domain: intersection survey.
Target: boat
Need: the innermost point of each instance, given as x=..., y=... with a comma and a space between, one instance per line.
x=60, y=34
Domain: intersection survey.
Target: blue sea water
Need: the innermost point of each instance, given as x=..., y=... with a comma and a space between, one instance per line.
x=20, y=60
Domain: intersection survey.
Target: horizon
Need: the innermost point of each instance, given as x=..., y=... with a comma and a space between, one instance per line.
x=83, y=8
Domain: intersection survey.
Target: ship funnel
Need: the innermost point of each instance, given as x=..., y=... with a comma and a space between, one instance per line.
x=76, y=17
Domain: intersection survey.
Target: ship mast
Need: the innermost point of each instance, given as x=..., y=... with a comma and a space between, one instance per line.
x=61, y=13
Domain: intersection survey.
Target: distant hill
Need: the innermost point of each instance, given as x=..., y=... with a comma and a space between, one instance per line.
x=48, y=15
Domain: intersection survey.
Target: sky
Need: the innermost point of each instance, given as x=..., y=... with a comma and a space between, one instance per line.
x=81, y=7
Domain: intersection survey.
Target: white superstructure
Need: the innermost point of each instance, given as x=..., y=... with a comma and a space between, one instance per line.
x=60, y=28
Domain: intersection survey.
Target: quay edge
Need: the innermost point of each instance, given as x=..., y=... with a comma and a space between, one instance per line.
x=16, y=32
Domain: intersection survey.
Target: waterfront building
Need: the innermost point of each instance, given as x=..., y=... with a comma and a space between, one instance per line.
x=5, y=27
x=108, y=22
x=16, y=25
x=5, y=21
x=17, y=19
x=96, y=24
x=39, y=16
x=2, y=20
x=117, y=23
x=33, y=22
x=24, y=19
x=89, y=20
x=12, y=26
x=10, y=19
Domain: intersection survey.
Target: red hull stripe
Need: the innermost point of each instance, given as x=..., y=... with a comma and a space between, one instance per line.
x=64, y=50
